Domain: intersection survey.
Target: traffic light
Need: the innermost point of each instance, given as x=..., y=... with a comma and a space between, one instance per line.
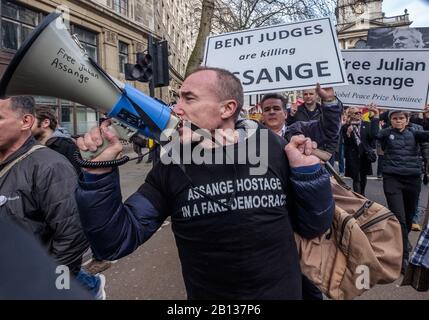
x=141, y=71
x=152, y=65
x=159, y=52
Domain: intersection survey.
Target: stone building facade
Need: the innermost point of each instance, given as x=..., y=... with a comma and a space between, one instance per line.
x=111, y=31
x=356, y=17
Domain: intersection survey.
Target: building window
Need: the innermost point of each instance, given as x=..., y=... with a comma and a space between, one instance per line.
x=360, y=44
x=86, y=118
x=121, y=7
x=123, y=55
x=16, y=24
x=66, y=117
x=88, y=40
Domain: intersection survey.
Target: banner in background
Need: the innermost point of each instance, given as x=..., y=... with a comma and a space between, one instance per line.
x=398, y=38
x=396, y=79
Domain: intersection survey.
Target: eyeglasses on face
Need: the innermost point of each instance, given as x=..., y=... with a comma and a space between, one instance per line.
x=274, y=108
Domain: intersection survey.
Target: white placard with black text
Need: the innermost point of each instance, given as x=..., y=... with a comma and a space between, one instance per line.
x=391, y=78
x=280, y=58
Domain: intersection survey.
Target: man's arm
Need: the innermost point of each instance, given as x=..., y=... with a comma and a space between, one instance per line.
x=113, y=228
x=325, y=131
x=55, y=191
x=421, y=136
x=310, y=198
x=313, y=200
x=383, y=134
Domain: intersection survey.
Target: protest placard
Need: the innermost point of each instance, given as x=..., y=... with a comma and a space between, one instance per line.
x=279, y=58
x=392, y=78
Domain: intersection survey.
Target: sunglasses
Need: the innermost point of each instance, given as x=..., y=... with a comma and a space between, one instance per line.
x=356, y=113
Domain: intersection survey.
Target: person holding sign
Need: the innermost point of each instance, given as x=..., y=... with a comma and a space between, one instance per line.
x=359, y=141
x=309, y=110
x=402, y=171
x=233, y=230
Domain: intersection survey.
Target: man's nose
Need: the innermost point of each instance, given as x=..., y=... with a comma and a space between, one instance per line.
x=178, y=109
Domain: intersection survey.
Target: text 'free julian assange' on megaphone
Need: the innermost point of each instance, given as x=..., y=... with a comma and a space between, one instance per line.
x=53, y=63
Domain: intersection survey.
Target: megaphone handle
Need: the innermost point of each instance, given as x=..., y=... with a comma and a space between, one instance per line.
x=89, y=155
x=122, y=132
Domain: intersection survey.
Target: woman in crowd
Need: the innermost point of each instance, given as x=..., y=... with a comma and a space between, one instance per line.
x=359, y=141
x=402, y=170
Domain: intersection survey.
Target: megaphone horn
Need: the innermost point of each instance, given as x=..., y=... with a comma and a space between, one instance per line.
x=51, y=63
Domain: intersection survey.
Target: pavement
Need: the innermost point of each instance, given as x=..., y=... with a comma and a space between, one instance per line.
x=153, y=271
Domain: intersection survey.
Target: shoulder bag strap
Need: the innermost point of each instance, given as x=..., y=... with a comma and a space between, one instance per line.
x=10, y=165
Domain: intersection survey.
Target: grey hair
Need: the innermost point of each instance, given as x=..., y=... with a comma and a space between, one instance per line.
x=23, y=104
x=414, y=34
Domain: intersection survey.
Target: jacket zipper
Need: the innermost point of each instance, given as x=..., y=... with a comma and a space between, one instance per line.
x=376, y=220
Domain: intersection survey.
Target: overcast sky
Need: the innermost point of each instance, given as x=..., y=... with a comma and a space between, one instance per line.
x=418, y=10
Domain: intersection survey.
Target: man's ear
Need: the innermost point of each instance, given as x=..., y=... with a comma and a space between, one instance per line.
x=27, y=121
x=228, y=109
x=46, y=123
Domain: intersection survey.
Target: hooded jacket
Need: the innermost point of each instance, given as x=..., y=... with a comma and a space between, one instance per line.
x=63, y=143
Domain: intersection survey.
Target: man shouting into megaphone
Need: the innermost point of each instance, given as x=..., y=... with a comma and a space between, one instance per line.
x=233, y=230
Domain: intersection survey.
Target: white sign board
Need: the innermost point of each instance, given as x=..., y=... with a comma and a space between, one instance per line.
x=279, y=58
x=392, y=78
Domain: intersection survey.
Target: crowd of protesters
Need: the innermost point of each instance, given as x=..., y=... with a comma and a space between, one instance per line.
x=71, y=210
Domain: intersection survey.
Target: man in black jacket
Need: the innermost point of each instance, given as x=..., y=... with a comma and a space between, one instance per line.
x=309, y=110
x=233, y=227
x=37, y=192
x=45, y=130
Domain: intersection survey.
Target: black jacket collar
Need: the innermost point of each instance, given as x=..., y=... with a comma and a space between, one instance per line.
x=23, y=149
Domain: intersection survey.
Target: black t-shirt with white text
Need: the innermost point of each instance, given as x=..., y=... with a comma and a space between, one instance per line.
x=247, y=252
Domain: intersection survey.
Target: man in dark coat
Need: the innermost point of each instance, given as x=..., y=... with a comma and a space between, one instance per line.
x=37, y=192
x=309, y=110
